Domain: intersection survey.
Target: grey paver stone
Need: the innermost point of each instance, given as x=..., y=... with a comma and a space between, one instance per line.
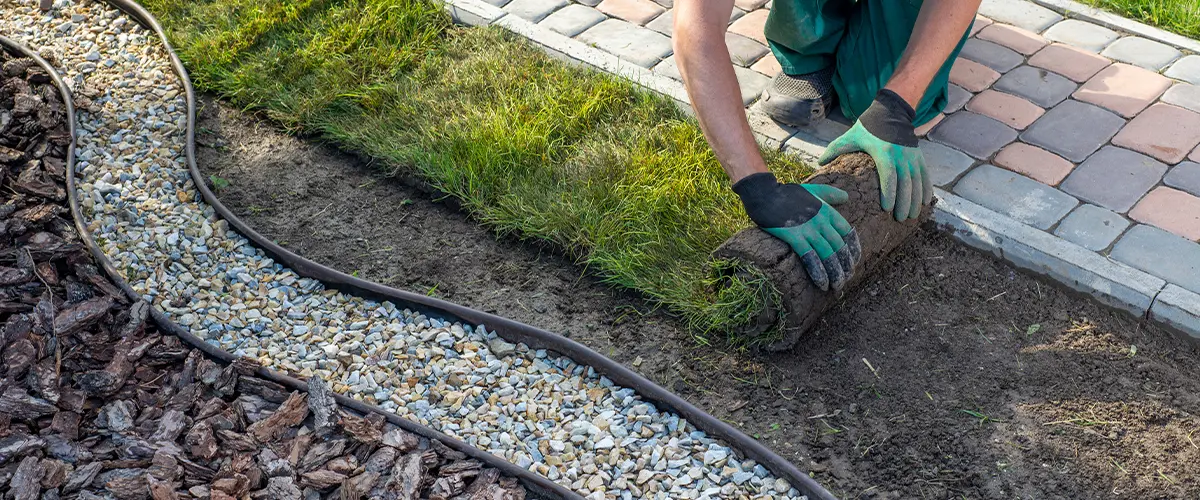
x=498, y=3
x=1092, y=227
x=995, y=56
x=944, y=162
x=751, y=83
x=589, y=3
x=667, y=4
x=1039, y=86
x=1142, y=52
x=1184, y=176
x=1179, y=308
x=1020, y=13
x=1073, y=129
x=1163, y=254
x=668, y=68
x=736, y=14
x=1082, y=34
x=1012, y=194
x=628, y=41
x=1184, y=95
x=664, y=23
x=573, y=19
x=744, y=51
x=1114, y=178
x=533, y=10
x=1186, y=69
x=958, y=98
x=974, y=134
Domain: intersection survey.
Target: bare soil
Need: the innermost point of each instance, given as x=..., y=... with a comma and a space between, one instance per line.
x=948, y=375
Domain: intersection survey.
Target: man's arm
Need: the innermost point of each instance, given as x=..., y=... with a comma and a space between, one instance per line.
x=940, y=26
x=704, y=62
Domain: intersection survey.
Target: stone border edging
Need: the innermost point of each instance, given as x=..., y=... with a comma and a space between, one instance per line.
x=1109, y=282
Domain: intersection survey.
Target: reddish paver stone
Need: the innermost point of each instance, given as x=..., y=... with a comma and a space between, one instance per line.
x=972, y=76
x=1123, y=88
x=1034, y=162
x=980, y=23
x=1170, y=209
x=751, y=26
x=1009, y=109
x=635, y=11
x=1068, y=61
x=924, y=129
x=749, y=5
x=1195, y=155
x=1114, y=178
x=1163, y=131
x=1020, y=40
x=768, y=65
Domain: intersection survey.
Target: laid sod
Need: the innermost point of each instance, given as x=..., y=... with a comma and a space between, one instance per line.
x=615, y=176
x=1179, y=16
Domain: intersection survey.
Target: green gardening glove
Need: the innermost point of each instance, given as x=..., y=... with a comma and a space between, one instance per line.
x=802, y=216
x=885, y=131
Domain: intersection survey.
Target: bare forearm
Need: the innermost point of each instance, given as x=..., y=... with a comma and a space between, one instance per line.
x=704, y=62
x=940, y=26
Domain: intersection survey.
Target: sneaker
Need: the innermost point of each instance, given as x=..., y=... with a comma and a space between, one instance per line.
x=799, y=100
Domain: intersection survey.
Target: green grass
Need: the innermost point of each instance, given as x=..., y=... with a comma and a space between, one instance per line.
x=1179, y=16
x=615, y=176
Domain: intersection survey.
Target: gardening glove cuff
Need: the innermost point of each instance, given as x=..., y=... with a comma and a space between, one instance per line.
x=890, y=119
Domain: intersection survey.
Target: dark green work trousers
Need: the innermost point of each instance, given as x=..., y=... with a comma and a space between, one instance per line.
x=863, y=39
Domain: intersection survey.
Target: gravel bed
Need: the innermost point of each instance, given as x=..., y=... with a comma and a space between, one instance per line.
x=540, y=411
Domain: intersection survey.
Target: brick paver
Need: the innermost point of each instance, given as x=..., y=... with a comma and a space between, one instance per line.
x=1091, y=227
x=992, y=55
x=1073, y=129
x=1123, y=88
x=958, y=98
x=945, y=163
x=751, y=83
x=1185, y=176
x=533, y=10
x=1016, y=196
x=1114, y=178
x=1195, y=156
x=1024, y=41
x=1170, y=209
x=924, y=129
x=1085, y=35
x=971, y=75
x=1020, y=13
x=1163, y=131
x=1158, y=252
x=744, y=51
x=1186, y=69
x=1184, y=95
x=1034, y=162
x=1009, y=109
x=1142, y=52
x=974, y=134
x=1068, y=61
x=979, y=24
x=633, y=43
x=749, y=5
x=665, y=23
x=635, y=11
x=1044, y=88
x=668, y=68
x=768, y=65
x=751, y=26
x=573, y=19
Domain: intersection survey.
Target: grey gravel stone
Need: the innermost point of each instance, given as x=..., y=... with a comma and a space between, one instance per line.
x=1139, y=51
x=628, y=41
x=944, y=162
x=1184, y=176
x=958, y=98
x=573, y=19
x=1184, y=95
x=533, y=10
x=1073, y=129
x=744, y=51
x=1114, y=178
x=992, y=55
x=1186, y=69
x=1163, y=254
x=974, y=134
x=1082, y=34
x=1092, y=227
x=1020, y=13
x=1039, y=86
x=1015, y=195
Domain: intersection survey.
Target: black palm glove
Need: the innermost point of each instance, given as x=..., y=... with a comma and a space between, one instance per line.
x=802, y=216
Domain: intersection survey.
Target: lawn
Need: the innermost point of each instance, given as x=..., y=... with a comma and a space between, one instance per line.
x=1179, y=16
x=615, y=176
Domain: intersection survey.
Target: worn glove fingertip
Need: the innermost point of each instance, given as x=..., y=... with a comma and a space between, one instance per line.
x=816, y=270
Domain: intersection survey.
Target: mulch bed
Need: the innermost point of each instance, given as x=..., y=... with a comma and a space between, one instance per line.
x=95, y=402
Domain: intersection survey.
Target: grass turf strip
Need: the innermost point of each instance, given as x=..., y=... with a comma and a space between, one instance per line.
x=1179, y=16
x=616, y=176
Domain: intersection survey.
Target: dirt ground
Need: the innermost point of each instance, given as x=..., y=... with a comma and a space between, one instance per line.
x=949, y=375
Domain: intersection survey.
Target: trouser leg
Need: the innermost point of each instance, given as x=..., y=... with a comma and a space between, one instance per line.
x=804, y=34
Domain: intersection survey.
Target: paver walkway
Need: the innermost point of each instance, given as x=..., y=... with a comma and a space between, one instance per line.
x=1087, y=134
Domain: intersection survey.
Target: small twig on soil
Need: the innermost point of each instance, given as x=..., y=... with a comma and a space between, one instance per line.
x=1164, y=476
x=994, y=297
x=873, y=370
x=1118, y=464
x=1189, y=438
